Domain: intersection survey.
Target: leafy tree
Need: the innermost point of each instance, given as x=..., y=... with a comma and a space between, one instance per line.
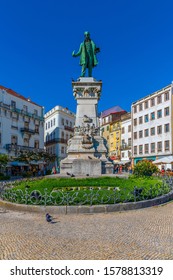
x=145, y=168
x=28, y=156
x=3, y=160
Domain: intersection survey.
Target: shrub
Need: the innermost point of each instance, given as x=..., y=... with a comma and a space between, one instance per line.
x=145, y=168
x=4, y=177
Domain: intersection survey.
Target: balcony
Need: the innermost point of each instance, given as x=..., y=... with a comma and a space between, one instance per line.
x=17, y=148
x=69, y=128
x=125, y=147
x=115, y=128
x=55, y=141
x=27, y=130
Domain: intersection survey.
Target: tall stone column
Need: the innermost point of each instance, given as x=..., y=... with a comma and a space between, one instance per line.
x=86, y=149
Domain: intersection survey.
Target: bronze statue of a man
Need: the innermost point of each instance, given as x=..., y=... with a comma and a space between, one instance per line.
x=87, y=52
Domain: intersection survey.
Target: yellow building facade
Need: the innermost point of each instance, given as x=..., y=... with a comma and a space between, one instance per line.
x=115, y=139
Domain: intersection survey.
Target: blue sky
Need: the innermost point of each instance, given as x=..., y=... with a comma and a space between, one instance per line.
x=38, y=37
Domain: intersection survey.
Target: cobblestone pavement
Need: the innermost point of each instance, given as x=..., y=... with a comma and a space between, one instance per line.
x=140, y=234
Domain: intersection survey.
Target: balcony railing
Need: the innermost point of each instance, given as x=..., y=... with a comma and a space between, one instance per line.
x=125, y=147
x=5, y=106
x=17, y=148
x=27, y=130
x=55, y=140
x=115, y=128
x=69, y=128
x=20, y=111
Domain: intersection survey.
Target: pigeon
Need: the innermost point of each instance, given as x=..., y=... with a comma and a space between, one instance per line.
x=48, y=218
x=68, y=173
x=89, y=157
x=72, y=175
x=87, y=174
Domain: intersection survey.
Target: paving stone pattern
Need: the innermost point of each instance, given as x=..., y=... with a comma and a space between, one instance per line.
x=138, y=234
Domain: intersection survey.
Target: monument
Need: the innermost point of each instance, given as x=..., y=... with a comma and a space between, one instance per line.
x=86, y=151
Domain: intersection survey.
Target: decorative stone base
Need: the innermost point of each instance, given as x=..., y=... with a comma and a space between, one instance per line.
x=86, y=167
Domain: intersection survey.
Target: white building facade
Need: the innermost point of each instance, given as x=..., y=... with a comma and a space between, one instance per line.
x=126, y=138
x=152, y=125
x=21, y=123
x=59, y=128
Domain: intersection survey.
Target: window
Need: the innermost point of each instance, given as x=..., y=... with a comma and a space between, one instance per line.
x=166, y=127
x=62, y=121
x=152, y=147
x=152, y=102
x=129, y=142
x=62, y=150
x=62, y=135
x=159, y=99
x=107, y=127
x=135, y=135
x=37, y=128
x=159, y=146
x=35, y=112
x=70, y=124
x=123, y=130
x=26, y=125
x=25, y=108
x=166, y=110
x=159, y=129
x=159, y=114
x=140, y=120
x=167, y=145
x=135, y=121
x=140, y=149
x=166, y=96
x=153, y=116
x=135, y=150
x=153, y=131
x=140, y=107
x=26, y=142
x=36, y=144
x=129, y=128
x=13, y=104
x=146, y=118
x=14, y=140
x=46, y=125
x=140, y=134
x=146, y=149
x=146, y=104
x=122, y=154
x=146, y=132
x=53, y=121
x=135, y=109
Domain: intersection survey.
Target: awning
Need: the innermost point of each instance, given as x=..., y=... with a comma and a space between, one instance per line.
x=16, y=163
x=34, y=162
x=164, y=160
x=123, y=162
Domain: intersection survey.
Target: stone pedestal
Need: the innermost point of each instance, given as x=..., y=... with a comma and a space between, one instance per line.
x=86, y=149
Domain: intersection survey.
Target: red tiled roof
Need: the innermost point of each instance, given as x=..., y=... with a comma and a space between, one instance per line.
x=113, y=110
x=12, y=92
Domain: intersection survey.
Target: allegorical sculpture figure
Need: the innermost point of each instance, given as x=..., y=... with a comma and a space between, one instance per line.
x=87, y=52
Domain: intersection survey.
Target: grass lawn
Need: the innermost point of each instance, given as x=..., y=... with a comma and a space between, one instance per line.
x=69, y=183
x=72, y=191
